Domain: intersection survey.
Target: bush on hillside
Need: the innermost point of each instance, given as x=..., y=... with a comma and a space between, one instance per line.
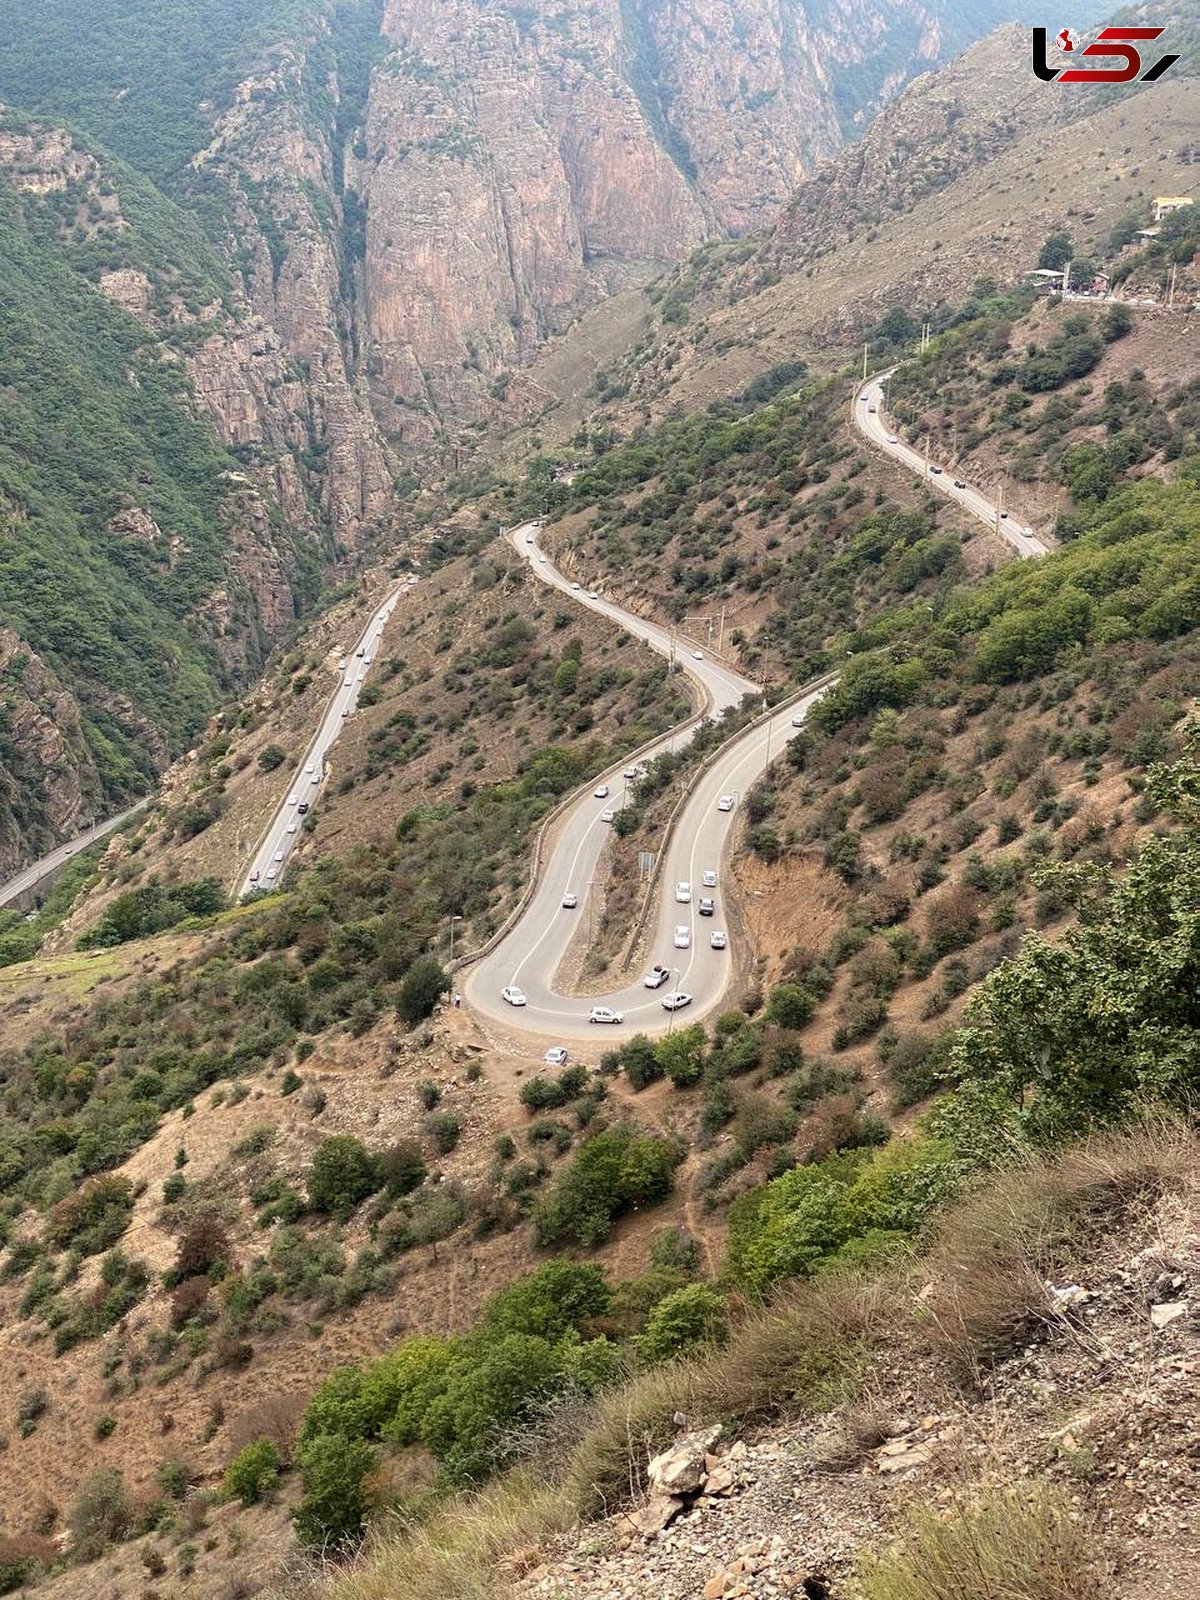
x=342, y=1175
x=687, y=1319
x=252, y=1472
x=612, y=1171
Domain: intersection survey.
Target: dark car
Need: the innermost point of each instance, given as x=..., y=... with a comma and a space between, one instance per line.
x=302, y=807
x=707, y=906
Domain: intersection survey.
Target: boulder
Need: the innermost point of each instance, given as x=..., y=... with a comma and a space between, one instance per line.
x=680, y=1469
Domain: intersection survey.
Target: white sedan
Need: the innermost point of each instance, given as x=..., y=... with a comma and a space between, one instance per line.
x=607, y=814
x=656, y=977
x=683, y=937
x=600, y=792
x=697, y=655
x=718, y=941
x=683, y=892
x=556, y=1056
x=570, y=901
x=725, y=803
x=604, y=1014
x=513, y=995
x=676, y=1000
x=709, y=879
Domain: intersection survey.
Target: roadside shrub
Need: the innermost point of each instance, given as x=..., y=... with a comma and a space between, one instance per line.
x=252, y=1472
x=422, y=986
x=681, y=1055
x=342, y=1175
x=639, y=1061
x=334, y=1507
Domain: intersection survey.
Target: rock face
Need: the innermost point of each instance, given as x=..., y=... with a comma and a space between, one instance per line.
x=518, y=161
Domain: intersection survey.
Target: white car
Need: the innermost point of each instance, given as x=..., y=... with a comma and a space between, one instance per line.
x=556, y=1056
x=725, y=803
x=570, y=901
x=342, y=664
x=347, y=681
x=709, y=879
x=593, y=594
x=293, y=799
x=872, y=409
x=367, y=659
x=513, y=995
x=683, y=892
x=316, y=778
x=272, y=872
x=607, y=814
x=576, y=585
x=893, y=438
x=676, y=1000
x=683, y=937
x=600, y=792
x=278, y=856
x=310, y=767
x=798, y=720
x=604, y=1014
x=529, y=540
x=656, y=977
x=255, y=875
x=697, y=655
x=345, y=711
x=718, y=941
x=291, y=827
x=630, y=774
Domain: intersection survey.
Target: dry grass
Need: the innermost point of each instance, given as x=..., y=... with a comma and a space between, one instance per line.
x=991, y=1256
x=460, y=1554
x=1013, y=1544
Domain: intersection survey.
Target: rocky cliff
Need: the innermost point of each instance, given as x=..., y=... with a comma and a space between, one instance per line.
x=518, y=161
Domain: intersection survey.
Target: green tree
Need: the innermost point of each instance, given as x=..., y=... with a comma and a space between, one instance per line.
x=423, y=985
x=342, y=1175
x=688, y=1318
x=334, y=1507
x=551, y=1302
x=252, y=1472
x=1056, y=251
x=681, y=1055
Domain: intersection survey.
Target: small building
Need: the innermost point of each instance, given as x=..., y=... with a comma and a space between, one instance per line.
x=1166, y=203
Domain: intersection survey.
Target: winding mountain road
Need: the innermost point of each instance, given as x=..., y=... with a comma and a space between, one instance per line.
x=532, y=951
x=530, y=954
x=269, y=862
x=29, y=877
x=869, y=417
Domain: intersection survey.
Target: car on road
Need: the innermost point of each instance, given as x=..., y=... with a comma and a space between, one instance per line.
x=302, y=808
x=683, y=937
x=630, y=774
x=513, y=995
x=697, y=655
x=718, y=941
x=1004, y=514
x=255, y=875
x=657, y=976
x=893, y=438
x=278, y=856
x=600, y=792
x=593, y=594
x=725, y=803
x=707, y=906
x=872, y=409
x=367, y=660
x=342, y=664
x=863, y=398
x=683, y=892
x=345, y=711
x=528, y=538
x=709, y=878
x=360, y=651
x=604, y=1014
x=937, y=471
x=556, y=1056
x=291, y=827
x=676, y=1000
x=576, y=585
x=960, y=483
x=570, y=901
x=293, y=798
x=272, y=872
x=607, y=814
x=310, y=767
x=347, y=681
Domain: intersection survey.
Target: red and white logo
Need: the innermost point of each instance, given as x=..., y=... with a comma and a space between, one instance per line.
x=1065, y=41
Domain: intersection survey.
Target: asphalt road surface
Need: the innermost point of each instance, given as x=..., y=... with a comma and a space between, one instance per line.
x=31, y=876
x=270, y=859
x=870, y=419
x=530, y=954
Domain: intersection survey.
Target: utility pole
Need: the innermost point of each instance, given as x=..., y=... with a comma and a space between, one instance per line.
x=864, y=361
x=1066, y=288
x=926, y=455
x=453, y=920
x=999, y=503
x=721, y=635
